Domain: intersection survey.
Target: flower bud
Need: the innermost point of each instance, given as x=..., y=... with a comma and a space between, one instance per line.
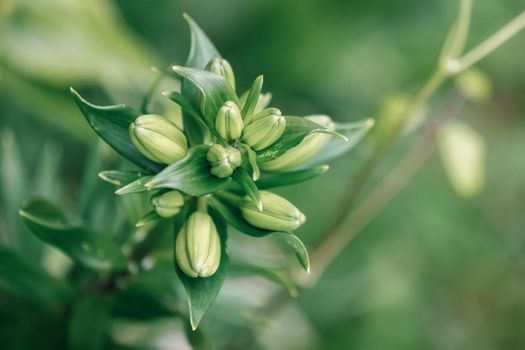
x=198, y=246
x=305, y=150
x=229, y=122
x=158, y=139
x=223, y=159
x=167, y=204
x=264, y=131
x=277, y=215
x=222, y=67
x=266, y=112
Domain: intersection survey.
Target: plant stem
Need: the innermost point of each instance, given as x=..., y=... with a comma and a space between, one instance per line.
x=202, y=204
x=492, y=43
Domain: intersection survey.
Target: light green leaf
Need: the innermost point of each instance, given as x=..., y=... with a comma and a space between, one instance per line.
x=297, y=128
x=240, y=175
x=298, y=246
x=277, y=179
x=202, y=49
x=136, y=186
x=93, y=250
x=252, y=99
x=120, y=178
x=190, y=175
x=111, y=123
x=272, y=274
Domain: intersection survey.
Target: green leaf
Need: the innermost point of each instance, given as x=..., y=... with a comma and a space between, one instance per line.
x=89, y=322
x=252, y=160
x=277, y=179
x=214, y=92
x=240, y=175
x=298, y=246
x=297, y=128
x=136, y=186
x=252, y=99
x=186, y=106
x=149, y=218
x=93, y=250
x=354, y=132
x=202, y=49
x=30, y=282
x=120, y=178
x=111, y=123
x=197, y=339
x=202, y=292
x=190, y=175
x=278, y=276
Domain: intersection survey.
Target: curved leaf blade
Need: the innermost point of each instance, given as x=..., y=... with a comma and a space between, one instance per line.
x=202, y=49
x=298, y=246
x=111, y=123
x=277, y=179
x=190, y=175
x=120, y=178
x=243, y=179
x=93, y=250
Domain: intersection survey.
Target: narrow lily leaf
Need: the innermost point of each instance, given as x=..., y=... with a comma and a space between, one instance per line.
x=120, y=178
x=202, y=292
x=297, y=128
x=149, y=218
x=19, y=277
x=186, y=106
x=232, y=215
x=202, y=49
x=298, y=246
x=111, y=123
x=271, y=180
x=135, y=186
x=272, y=274
x=93, y=250
x=354, y=132
x=190, y=175
x=240, y=175
x=252, y=99
x=252, y=159
x=214, y=91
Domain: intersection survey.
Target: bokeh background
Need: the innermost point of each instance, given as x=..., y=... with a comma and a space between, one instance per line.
x=434, y=270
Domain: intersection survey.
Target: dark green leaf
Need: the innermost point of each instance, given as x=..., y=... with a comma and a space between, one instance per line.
x=190, y=175
x=136, y=186
x=89, y=323
x=186, y=106
x=202, y=292
x=197, y=339
x=240, y=175
x=202, y=49
x=214, y=92
x=120, y=178
x=271, y=180
x=111, y=123
x=149, y=218
x=91, y=249
x=29, y=282
x=354, y=132
x=297, y=128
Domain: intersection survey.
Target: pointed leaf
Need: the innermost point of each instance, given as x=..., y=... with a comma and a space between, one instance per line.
x=202, y=49
x=120, y=178
x=136, y=186
x=252, y=159
x=111, y=123
x=240, y=175
x=297, y=128
x=252, y=99
x=149, y=218
x=90, y=249
x=190, y=175
x=273, y=179
x=298, y=246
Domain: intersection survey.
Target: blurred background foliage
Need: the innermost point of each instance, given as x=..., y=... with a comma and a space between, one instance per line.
x=435, y=270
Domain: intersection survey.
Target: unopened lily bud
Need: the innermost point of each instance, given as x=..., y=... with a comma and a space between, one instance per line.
x=223, y=68
x=167, y=204
x=229, y=122
x=158, y=139
x=264, y=131
x=305, y=150
x=198, y=246
x=223, y=159
x=265, y=113
x=277, y=215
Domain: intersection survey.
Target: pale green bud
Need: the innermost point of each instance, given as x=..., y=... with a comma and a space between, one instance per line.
x=264, y=132
x=158, y=139
x=278, y=214
x=223, y=68
x=167, y=204
x=198, y=246
x=305, y=150
x=223, y=159
x=229, y=122
x=265, y=113
x=475, y=85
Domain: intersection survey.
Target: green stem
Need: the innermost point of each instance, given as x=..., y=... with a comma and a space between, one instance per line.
x=202, y=204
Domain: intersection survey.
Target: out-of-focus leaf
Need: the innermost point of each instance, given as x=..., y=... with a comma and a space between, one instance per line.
x=354, y=132
x=149, y=218
x=111, y=123
x=190, y=175
x=91, y=249
x=120, y=178
x=29, y=282
x=240, y=175
x=202, y=292
x=197, y=339
x=298, y=246
x=274, y=275
x=46, y=173
x=276, y=179
x=89, y=323
x=463, y=152
x=475, y=85
x=297, y=128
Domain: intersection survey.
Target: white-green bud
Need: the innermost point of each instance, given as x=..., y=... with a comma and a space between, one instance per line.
x=167, y=204
x=264, y=131
x=278, y=214
x=265, y=113
x=229, y=122
x=198, y=246
x=158, y=139
x=223, y=160
x=305, y=150
x=223, y=68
